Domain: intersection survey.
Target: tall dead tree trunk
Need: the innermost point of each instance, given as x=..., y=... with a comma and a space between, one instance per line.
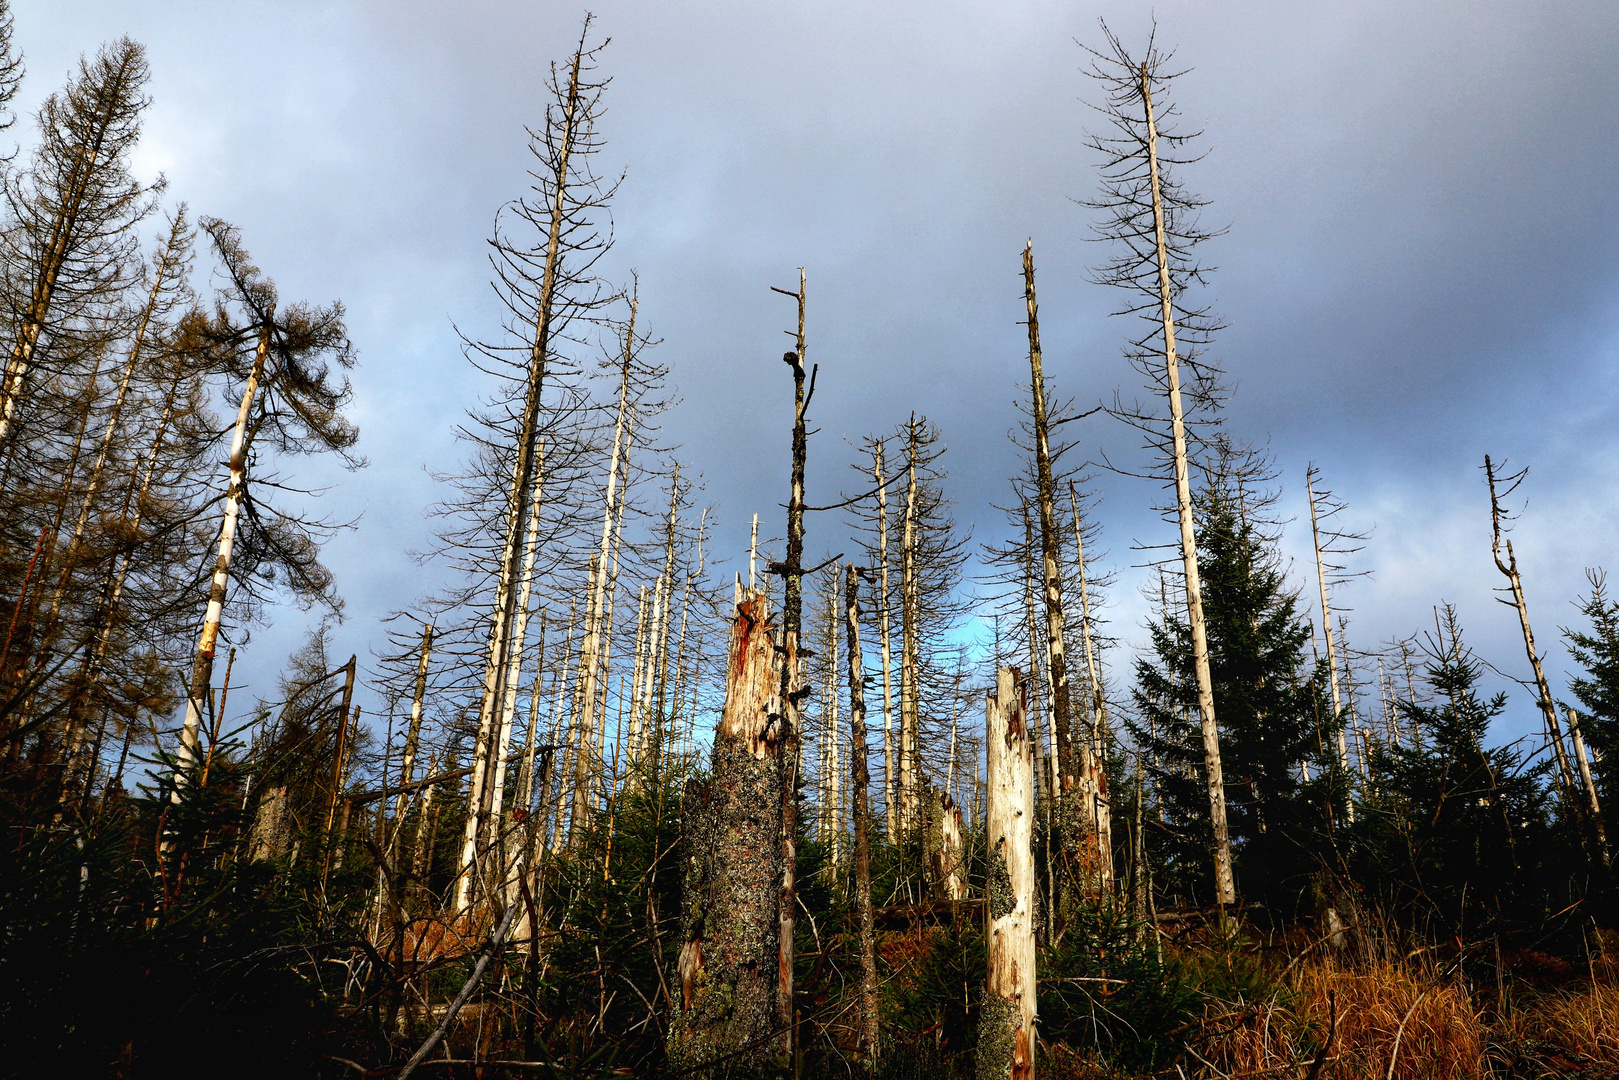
x=1326, y=625
x=910, y=647
x=883, y=624
x=793, y=686
x=1225, y=884
x=1100, y=733
x=413, y=735
x=1548, y=709
x=524, y=469
x=1081, y=785
x=1006, y=1025
x=870, y=1033
x=592, y=652
x=726, y=978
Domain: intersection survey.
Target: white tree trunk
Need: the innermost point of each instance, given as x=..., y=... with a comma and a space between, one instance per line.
x=1225, y=885
x=1006, y=1041
x=203, y=668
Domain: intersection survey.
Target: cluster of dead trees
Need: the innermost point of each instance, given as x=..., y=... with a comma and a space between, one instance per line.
x=583, y=671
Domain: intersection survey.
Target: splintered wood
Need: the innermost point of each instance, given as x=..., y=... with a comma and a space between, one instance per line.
x=1006, y=1037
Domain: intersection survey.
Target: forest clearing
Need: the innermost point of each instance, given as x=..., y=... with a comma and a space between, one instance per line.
x=883, y=773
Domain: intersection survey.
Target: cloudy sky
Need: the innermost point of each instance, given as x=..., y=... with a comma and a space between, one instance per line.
x=1418, y=268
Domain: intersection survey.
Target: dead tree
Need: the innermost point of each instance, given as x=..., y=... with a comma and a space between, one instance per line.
x=870, y=1033
x=1331, y=543
x=794, y=688
x=74, y=208
x=1576, y=806
x=883, y=623
x=1153, y=220
x=1081, y=786
x=1006, y=1025
x=726, y=979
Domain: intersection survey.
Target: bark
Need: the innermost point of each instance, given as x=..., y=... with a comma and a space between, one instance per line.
x=870, y=1033
x=1006, y=1033
x=726, y=980
x=1225, y=885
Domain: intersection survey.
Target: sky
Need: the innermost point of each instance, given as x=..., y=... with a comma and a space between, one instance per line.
x=1416, y=269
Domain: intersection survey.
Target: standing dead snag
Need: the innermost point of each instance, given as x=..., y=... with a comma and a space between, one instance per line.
x=1081, y=786
x=869, y=1031
x=793, y=687
x=1554, y=733
x=726, y=977
x=1006, y=1031
x=1153, y=221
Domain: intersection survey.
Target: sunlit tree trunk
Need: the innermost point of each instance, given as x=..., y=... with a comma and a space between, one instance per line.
x=202, y=669
x=726, y=978
x=1006, y=1031
x=1225, y=884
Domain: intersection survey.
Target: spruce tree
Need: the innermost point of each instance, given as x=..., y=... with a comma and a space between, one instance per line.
x=1597, y=691
x=1460, y=827
x=1267, y=700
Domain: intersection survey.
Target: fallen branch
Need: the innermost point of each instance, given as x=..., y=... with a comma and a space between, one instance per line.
x=496, y=940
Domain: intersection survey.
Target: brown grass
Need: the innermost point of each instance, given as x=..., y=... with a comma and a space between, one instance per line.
x=1407, y=1015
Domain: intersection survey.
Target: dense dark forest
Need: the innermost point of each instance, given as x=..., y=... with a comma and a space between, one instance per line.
x=626, y=815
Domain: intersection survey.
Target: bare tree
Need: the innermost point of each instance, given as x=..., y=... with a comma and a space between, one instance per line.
x=1152, y=220
x=1508, y=567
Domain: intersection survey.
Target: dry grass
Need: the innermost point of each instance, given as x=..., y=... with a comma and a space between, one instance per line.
x=1422, y=1023
x=1580, y=1022
x=1408, y=1015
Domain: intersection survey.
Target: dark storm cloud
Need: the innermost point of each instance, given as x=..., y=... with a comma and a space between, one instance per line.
x=1418, y=268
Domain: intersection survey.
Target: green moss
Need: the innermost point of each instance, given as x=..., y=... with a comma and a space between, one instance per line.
x=1002, y=900
x=998, y=1021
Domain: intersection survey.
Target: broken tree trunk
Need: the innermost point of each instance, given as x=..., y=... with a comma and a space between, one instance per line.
x=1006, y=1031
x=889, y=821
x=1080, y=784
x=412, y=738
x=725, y=1011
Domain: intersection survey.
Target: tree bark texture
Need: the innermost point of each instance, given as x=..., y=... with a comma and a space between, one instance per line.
x=726, y=979
x=1006, y=1033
